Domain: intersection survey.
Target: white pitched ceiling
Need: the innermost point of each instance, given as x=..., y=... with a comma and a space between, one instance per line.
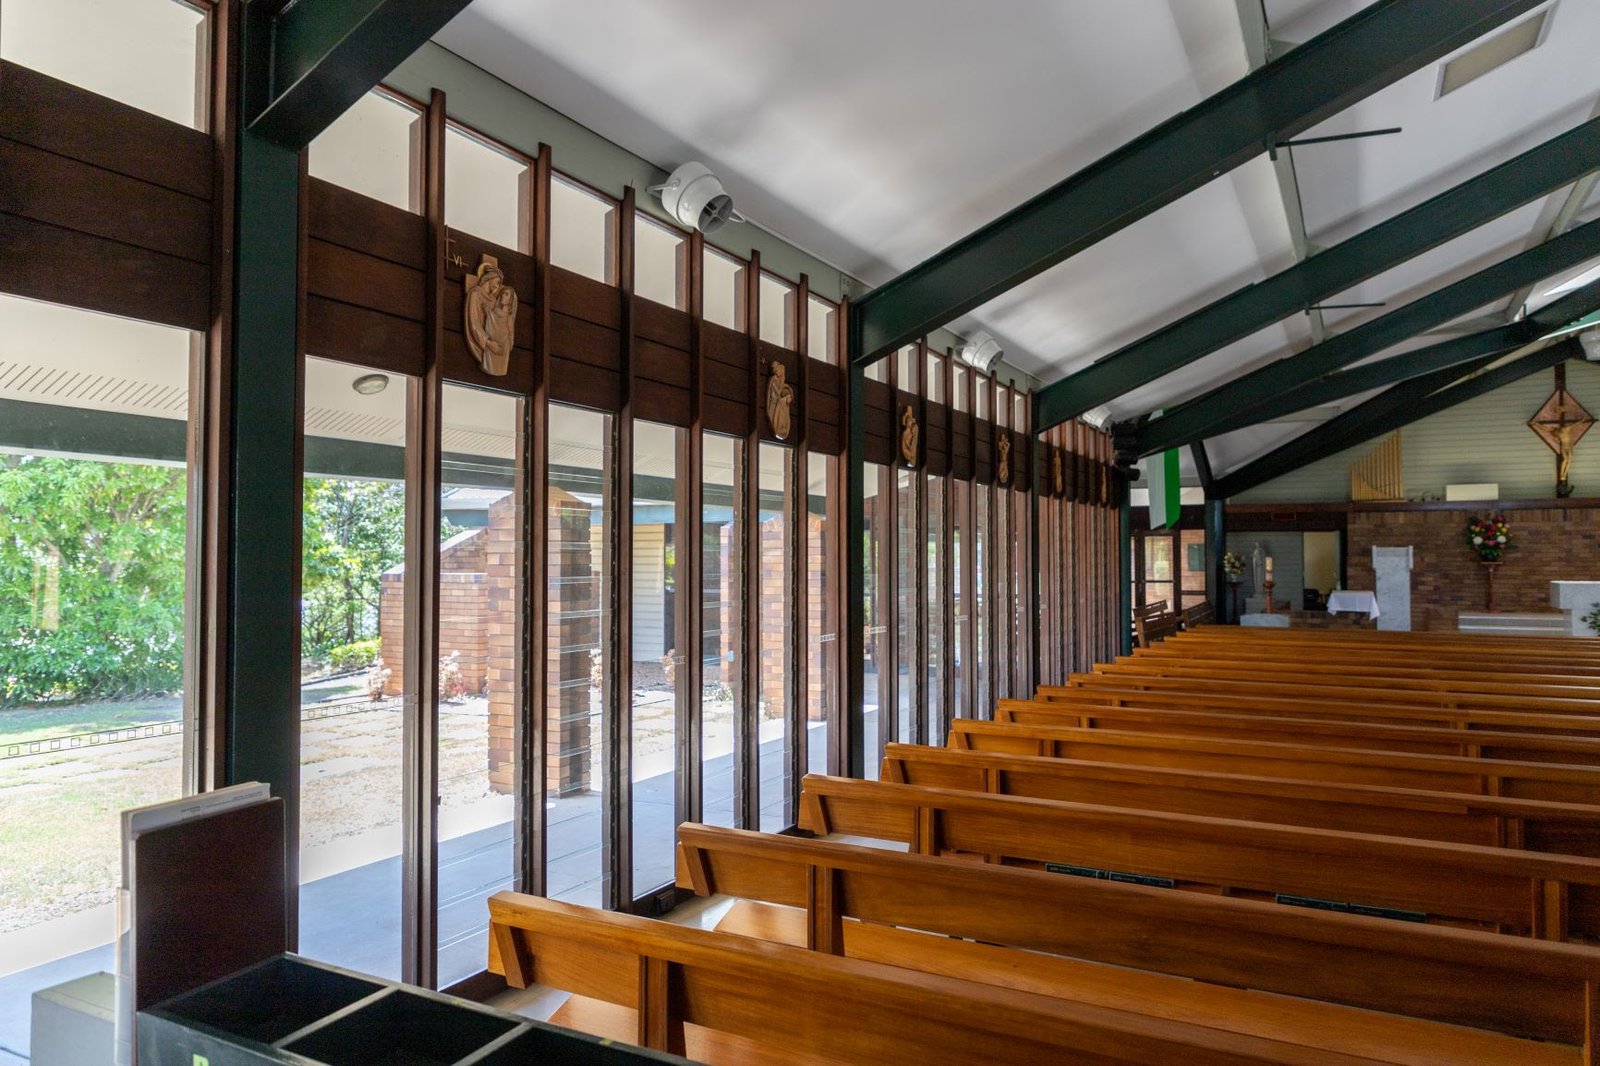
x=873, y=135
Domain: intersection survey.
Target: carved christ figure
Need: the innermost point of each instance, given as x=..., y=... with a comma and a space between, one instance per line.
x=780, y=395
x=491, y=317
x=908, y=435
x=1058, y=474
x=1004, y=471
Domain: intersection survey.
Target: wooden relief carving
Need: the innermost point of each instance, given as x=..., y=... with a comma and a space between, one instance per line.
x=780, y=396
x=1058, y=476
x=1105, y=487
x=1561, y=423
x=1003, y=470
x=490, y=310
x=908, y=435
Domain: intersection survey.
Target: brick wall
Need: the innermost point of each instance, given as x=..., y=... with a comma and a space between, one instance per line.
x=463, y=601
x=1557, y=543
x=498, y=626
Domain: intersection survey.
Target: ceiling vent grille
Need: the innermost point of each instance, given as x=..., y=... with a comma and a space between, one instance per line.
x=1497, y=51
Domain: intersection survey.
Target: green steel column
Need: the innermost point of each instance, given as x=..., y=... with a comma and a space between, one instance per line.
x=1216, y=530
x=264, y=484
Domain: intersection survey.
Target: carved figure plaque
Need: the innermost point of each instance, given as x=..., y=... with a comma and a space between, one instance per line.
x=1003, y=470
x=490, y=312
x=780, y=396
x=908, y=435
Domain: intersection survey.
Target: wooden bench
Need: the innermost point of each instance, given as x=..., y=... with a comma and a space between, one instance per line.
x=1560, y=783
x=1554, y=897
x=1524, y=722
x=1201, y=614
x=1375, y=694
x=1377, y=736
x=1534, y=825
x=1373, y=663
x=1575, y=649
x=818, y=1007
x=1299, y=673
x=1153, y=622
x=848, y=897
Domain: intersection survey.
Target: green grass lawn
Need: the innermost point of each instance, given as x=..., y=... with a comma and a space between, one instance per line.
x=25, y=724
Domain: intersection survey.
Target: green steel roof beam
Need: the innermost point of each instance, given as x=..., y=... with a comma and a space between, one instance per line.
x=1371, y=49
x=1399, y=406
x=1457, y=350
x=1465, y=207
x=1199, y=417
x=326, y=54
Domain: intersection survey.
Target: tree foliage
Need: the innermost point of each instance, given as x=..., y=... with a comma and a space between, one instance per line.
x=91, y=579
x=354, y=531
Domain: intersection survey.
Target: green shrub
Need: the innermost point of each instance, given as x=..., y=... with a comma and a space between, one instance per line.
x=356, y=656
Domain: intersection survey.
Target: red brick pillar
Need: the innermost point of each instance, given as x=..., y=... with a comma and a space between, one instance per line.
x=574, y=628
x=775, y=613
x=503, y=582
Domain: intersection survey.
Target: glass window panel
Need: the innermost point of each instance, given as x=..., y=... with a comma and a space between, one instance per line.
x=721, y=671
x=723, y=289
x=93, y=566
x=480, y=699
x=906, y=369
x=484, y=191
x=822, y=330
x=958, y=386
x=937, y=563
x=960, y=497
x=352, y=696
x=908, y=595
x=822, y=622
x=1158, y=558
x=149, y=54
x=977, y=512
x=878, y=371
x=578, y=654
x=981, y=391
x=933, y=379
x=369, y=150
x=660, y=263
x=583, y=231
x=1001, y=613
x=777, y=311
x=774, y=725
x=658, y=674
x=879, y=651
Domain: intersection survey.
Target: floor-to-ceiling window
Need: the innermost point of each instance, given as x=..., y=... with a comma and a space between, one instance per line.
x=722, y=670
x=822, y=611
x=775, y=601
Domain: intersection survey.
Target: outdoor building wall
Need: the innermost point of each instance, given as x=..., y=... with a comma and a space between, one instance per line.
x=1483, y=440
x=649, y=593
x=463, y=602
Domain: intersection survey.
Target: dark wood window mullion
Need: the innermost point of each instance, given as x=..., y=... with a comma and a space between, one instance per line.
x=797, y=566
x=532, y=835
x=888, y=501
x=618, y=716
x=691, y=555
x=948, y=560
x=747, y=733
x=845, y=724
x=419, y=890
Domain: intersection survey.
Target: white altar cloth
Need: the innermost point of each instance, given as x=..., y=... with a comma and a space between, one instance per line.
x=1358, y=602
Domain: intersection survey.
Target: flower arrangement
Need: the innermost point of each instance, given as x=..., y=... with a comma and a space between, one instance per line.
x=1233, y=565
x=1489, y=536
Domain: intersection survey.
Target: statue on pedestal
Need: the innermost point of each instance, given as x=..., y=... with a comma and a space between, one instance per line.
x=1258, y=567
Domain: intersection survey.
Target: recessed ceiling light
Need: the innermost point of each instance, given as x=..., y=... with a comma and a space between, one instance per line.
x=370, y=384
x=1497, y=51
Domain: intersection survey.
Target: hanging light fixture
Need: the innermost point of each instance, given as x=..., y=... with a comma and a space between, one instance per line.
x=370, y=384
x=695, y=197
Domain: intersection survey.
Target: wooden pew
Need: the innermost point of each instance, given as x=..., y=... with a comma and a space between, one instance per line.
x=848, y=896
x=1554, y=897
x=1558, y=782
x=1373, y=663
x=1374, y=694
x=1575, y=649
x=1377, y=736
x=1153, y=622
x=819, y=1007
x=1201, y=614
x=1300, y=672
x=1534, y=825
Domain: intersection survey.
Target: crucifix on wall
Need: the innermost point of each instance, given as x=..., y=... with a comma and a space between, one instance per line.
x=1561, y=423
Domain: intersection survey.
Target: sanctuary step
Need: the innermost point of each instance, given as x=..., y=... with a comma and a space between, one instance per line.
x=1530, y=624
